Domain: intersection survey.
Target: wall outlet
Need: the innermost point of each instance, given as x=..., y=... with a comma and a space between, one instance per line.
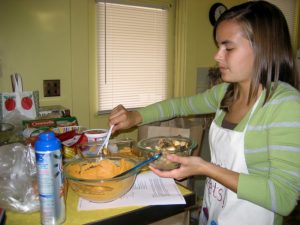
x=51, y=88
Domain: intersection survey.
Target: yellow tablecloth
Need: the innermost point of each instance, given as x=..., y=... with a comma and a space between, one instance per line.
x=73, y=216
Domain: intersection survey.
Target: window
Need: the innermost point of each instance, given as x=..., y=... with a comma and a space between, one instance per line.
x=132, y=55
x=288, y=8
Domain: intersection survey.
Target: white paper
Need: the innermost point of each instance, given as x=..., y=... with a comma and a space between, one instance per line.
x=148, y=189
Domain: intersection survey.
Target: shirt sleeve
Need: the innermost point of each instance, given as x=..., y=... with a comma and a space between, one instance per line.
x=273, y=181
x=203, y=103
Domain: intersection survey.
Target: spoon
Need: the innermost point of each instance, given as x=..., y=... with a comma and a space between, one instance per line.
x=105, y=142
x=108, y=135
x=152, y=158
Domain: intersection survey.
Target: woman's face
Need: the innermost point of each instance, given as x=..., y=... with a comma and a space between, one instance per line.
x=235, y=55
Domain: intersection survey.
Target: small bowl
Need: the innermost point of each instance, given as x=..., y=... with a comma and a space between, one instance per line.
x=126, y=148
x=105, y=188
x=6, y=131
x=166, y=145
x=88, y=149
x=117, y=145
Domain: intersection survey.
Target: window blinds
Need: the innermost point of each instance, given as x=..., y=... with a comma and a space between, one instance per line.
x=288, y=8
x=131, y=55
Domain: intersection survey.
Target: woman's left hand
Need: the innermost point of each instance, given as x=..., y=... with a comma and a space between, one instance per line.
x=189, y=166
x=194, y=165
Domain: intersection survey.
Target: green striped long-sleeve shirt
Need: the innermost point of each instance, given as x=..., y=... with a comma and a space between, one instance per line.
x=272, y=142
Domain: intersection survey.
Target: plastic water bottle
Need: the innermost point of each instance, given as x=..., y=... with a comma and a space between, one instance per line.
x=50, y=178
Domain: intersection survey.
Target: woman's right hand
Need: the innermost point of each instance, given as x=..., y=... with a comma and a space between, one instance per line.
x=123, y=119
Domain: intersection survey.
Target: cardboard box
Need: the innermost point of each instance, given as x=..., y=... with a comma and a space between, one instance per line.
x=52, y=122
x=54, y=111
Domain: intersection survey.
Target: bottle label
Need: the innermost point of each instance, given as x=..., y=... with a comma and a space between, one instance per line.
x=51, y=186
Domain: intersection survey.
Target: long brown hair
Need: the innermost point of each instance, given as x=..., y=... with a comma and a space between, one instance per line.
x=264, y=25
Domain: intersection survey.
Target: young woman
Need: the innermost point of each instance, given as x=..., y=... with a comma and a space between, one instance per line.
x=254, y=173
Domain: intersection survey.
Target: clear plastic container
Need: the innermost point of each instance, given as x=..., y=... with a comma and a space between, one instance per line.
x=166, y=145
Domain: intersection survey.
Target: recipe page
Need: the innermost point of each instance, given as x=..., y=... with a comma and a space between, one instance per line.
x=148, y=189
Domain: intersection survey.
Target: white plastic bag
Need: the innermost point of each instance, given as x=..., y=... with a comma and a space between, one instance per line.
x=18, y=178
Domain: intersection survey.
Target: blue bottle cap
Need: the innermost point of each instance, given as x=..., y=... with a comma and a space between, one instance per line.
x=47, y=142
x=213, y=222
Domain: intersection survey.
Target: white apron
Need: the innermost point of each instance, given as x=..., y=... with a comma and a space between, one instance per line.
x=220, y=205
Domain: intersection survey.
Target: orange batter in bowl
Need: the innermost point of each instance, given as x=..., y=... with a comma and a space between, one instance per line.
x=103, y=169
x=93, y=180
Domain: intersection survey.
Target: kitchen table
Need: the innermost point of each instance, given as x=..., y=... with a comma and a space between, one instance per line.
x=133, y=215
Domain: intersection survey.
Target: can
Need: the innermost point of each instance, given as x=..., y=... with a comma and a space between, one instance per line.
x=50, y=178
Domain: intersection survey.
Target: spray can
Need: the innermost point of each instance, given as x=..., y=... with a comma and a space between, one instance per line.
x=50, y=178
